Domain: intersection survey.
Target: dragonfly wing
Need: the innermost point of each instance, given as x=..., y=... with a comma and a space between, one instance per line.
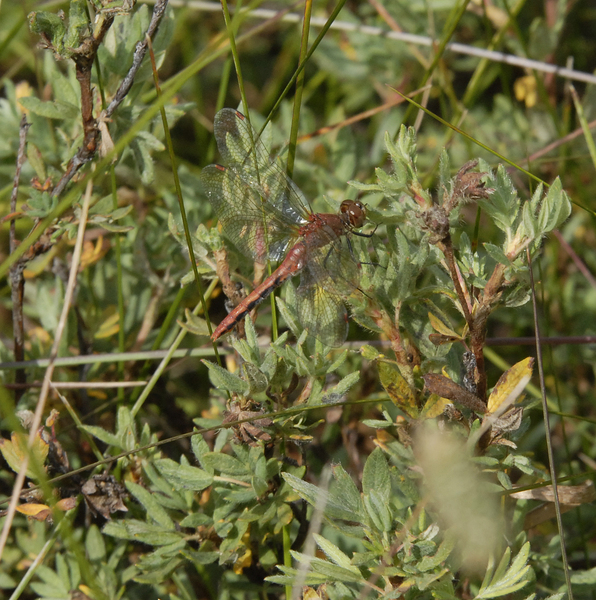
x=332, y=264
x=243, y=215
x=241, y=148
x=321, y=311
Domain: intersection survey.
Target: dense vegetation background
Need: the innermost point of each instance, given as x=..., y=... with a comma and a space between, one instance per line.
x=385, y=468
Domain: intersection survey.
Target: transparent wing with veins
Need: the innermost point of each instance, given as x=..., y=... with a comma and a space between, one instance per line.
x=243, y=151
x=259, y=207
x=328, y=279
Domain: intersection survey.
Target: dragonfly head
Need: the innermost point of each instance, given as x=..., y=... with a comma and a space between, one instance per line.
x=353, y=213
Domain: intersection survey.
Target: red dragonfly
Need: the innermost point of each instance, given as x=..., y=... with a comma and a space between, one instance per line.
x=266, y=216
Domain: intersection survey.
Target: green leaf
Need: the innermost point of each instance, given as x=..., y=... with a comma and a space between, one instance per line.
x=365, y=187
x=370, y=353
x=50, y=25
x=336, y=393
x=555, y=208
x=497, y=254
x=319, y=498
x=194, y=324
x=376, y=475
x=224, y=463
x=377, y=510
x=290, y=575
x=503, y=204
x=344, y=490
x=101, y=434
x=158, y=570
x=139, y=531
x=40, y=204
x=52, y=585
x=184, y=476
x=221, y=378
x=332, y=552
x=95, y=545
x=287, y=309
x=432, y=562
x=154, y=510
x=196, y=520
x=334, y=572
x=77, y=23
x=55, y=109
x=35, y=158
x=126, y=428
x=257, y=382
x=338, y=362
x=202, y=557
x=506, y=581
x=200, y=448
x=120, y=213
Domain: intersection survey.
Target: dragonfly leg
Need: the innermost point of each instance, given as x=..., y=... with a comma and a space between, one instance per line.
x=349, y=242
x=366, y=235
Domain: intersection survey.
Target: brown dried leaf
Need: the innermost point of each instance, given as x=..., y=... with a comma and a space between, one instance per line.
x=446, y=388
x=104, y=495
x=439, y=339
x=572, y=495
x=250, y=432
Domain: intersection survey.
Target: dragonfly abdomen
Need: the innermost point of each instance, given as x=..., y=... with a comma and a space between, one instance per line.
x=292, y=264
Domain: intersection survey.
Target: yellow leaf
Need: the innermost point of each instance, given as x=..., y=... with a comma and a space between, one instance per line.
x=32, y=509
x=108, y=328
x=243, y=561
x=93, y=252
x=14, y=451
x=370, y=353
x=85, y=589
x=435, y=405
x=511, y=384
x=399, y=391
x=23, y=90
x=440, y=327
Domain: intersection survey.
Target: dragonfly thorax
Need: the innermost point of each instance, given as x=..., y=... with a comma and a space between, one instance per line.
x=353, y=213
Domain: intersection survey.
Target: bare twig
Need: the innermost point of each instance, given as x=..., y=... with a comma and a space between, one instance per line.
x=84, y=57
x=141, y=49
x=84, y=61
x=33, y=432
x=17, y=280
x=458, y=282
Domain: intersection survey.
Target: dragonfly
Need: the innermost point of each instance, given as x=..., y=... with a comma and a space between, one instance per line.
x=266, y=216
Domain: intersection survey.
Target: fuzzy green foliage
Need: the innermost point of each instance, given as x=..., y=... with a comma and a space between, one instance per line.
x=386, y=468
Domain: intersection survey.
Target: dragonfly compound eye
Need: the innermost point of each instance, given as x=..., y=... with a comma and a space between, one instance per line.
x=355, y=212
